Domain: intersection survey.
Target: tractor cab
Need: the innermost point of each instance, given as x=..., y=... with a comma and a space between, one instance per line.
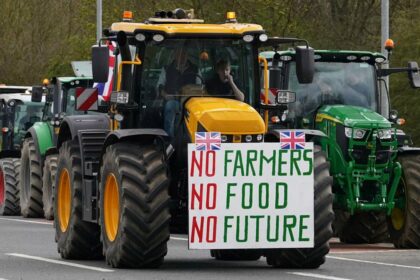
x=18, y=114
x=184, y=76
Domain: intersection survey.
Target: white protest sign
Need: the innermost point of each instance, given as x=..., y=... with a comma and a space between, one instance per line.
x=250, y=195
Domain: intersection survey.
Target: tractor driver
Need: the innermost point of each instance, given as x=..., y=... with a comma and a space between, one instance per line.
x=172, y=78
x=222, y=82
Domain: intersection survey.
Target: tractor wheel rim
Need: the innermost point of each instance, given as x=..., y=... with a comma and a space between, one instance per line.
x=2, y=189
x=398, y=214
x=64, y=200
x=397, y=218
x=111, y=207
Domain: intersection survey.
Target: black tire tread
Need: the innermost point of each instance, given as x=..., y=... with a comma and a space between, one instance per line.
x=362, y=228
x=144, y=200
x=31, y=207
x=324, y=216
x=48, y=181
x=409, y=236
x=82, y=239
x=11, y=169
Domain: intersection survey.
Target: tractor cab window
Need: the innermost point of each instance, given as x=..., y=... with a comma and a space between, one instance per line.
x=334, y=83
x=176, y=69
x=70, y=101
x=25, y=116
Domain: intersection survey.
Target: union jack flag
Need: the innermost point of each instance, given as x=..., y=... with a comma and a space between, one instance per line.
x=292, y=140
x=105, y=89
x=208, y=141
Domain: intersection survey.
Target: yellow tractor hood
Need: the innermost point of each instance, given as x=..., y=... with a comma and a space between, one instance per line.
x=223, y=115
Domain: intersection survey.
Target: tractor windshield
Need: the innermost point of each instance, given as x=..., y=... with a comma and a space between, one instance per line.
x=175, y=69
x=25, y=116
x=334, y=83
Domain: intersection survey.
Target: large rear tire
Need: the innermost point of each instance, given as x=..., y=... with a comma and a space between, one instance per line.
x=361, y=228
x=48, y=180
x=324, y=216
x=134, y=205
x=404, y=222
x=76, y=239
x=9, y=187
x=30, y=181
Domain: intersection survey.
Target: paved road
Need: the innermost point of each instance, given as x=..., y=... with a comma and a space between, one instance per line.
x=28, y=251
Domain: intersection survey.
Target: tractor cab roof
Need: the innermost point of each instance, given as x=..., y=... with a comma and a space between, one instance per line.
x=188, y=29
x=69, y=80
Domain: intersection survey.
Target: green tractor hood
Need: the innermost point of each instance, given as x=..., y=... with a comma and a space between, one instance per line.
x=352, y=116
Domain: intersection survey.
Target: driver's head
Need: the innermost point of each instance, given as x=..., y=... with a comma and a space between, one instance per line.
x=352, y=77
x=223, y=69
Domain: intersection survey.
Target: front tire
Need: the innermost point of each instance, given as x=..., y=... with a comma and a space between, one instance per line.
x=324, y=216
x=31, y=181
x=362, y=228
x=404, y=222
x=134, y=205
x=48, y=180
x=76, y=239
x=9, y=187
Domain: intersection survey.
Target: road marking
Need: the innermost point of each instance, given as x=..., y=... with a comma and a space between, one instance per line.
x=26, y=221
x=3, y=279
x=343, y=251
x=320, y=276
x=60, y=262
x=371, y=262
x=179, y=238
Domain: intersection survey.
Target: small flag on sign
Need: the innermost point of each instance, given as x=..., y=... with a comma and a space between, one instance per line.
x=210, y=141
x=292, y=140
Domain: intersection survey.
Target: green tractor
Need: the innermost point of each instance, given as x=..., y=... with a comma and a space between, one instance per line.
x=375, y=168
x=39, y=155
x=17, y=114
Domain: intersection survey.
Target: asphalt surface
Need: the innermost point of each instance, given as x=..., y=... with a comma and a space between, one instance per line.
x=28, y=251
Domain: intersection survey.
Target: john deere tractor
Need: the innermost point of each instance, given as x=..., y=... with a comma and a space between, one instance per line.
x=122, y=180
x=39, y=154
x=17, y=114
x=374, y=165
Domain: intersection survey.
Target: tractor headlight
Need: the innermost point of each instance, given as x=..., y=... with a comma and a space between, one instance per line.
x=356, y=133
x=385, y=133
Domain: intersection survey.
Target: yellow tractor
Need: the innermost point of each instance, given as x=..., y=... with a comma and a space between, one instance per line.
x=122, y=178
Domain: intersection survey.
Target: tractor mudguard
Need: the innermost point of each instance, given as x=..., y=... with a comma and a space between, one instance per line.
x=72, y=124
x=9, y=154
x=42, y=135
x=51, y=151
x=142, y=134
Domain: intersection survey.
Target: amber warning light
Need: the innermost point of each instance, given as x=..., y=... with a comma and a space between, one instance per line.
x=127, y=15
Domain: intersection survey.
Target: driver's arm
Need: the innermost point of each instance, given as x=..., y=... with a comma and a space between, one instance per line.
x=239, y=95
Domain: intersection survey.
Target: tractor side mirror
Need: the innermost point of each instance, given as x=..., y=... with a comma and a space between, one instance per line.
x=37, y=92
x=275, y=72
x=100, y=64
x=414, y=74
x=305, y=64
